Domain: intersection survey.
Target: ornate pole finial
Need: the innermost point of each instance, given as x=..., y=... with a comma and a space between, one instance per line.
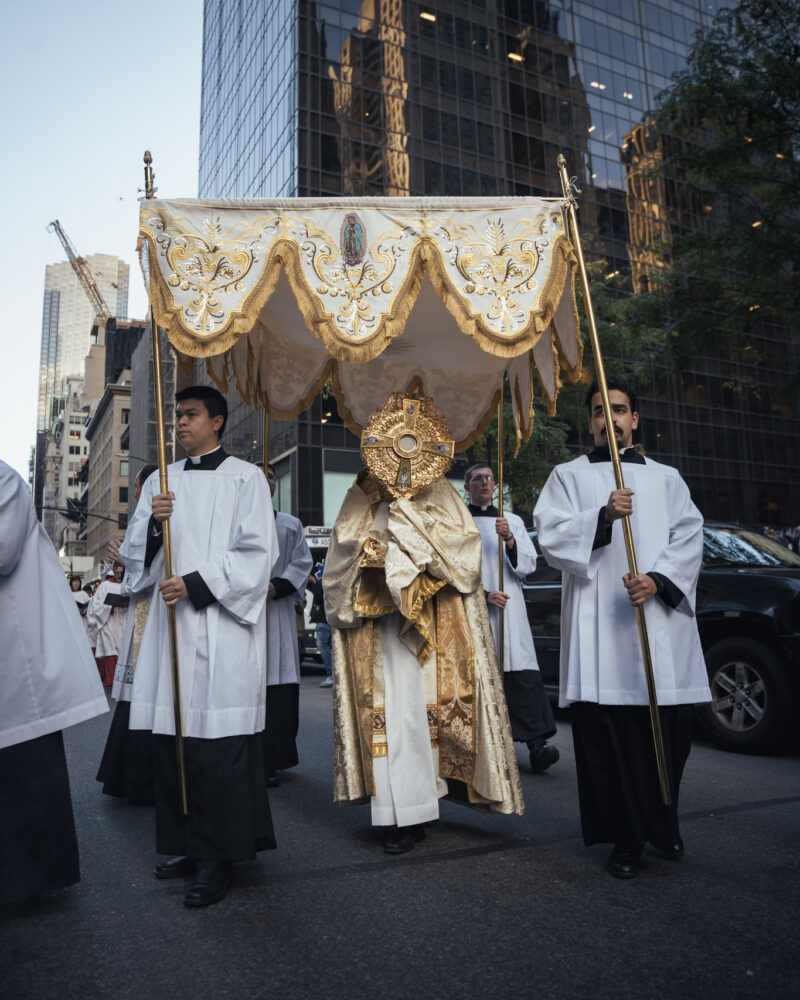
x=569, y=185
x=149, y=176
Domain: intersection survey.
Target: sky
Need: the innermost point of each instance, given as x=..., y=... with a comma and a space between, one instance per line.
x=88, y=87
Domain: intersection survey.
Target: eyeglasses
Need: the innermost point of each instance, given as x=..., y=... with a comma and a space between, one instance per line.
x=481, y=479
x=270, y=477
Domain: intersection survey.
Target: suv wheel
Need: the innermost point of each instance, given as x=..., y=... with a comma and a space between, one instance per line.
x=750, y=698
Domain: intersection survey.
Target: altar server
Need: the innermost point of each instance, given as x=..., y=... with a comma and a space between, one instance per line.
x=287, y=586
x=49, y=682
x=82, y=600
x=224, y=541
x=126, y=767
x=529, y=708
x=419, y=711
x=602, y=677
x=108, y=612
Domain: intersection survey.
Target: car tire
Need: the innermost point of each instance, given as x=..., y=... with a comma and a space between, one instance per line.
x=750, y=706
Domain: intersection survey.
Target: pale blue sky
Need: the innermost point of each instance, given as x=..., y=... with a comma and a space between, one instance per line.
x=87, y=86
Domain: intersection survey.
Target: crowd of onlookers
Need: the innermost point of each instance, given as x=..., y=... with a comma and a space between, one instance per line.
x=790, y=537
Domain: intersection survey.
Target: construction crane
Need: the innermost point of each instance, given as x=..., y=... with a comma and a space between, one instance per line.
x=84, y=273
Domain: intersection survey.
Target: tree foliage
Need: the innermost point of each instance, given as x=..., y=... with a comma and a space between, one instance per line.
x=726, y=139
x=729, y=141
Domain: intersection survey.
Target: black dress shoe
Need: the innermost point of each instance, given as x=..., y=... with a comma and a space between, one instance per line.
x=624, y=862
x=175, y=868
x=543, y=757
x=272, y=779
x=212, y=883
x=401, y=840
x=671, y=851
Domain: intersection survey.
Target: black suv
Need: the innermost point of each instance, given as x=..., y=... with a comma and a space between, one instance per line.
x=748, y=614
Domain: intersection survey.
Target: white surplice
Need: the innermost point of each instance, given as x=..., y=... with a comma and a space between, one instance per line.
x=123, y=675
x=519, y=653
x=600, y=655
x=407, y=785
x=222, y=528
x=90, y=628
x=109, y=621
x=48, y=676
x=128, y=648
x=407, y=782
x=294, y=565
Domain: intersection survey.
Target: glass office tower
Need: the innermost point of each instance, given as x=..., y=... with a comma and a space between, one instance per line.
x=67, y=319
x=478, y=98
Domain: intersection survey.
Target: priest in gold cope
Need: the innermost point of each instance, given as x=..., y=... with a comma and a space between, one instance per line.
x=418, y=699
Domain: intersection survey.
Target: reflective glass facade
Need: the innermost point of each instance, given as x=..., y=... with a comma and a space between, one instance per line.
x=248, y=115
x=478, y=97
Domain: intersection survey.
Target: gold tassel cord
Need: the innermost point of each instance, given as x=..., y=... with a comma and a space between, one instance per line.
x=501, y=629
x=266, y=473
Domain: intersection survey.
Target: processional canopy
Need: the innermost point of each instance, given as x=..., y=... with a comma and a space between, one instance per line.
x=379, y=295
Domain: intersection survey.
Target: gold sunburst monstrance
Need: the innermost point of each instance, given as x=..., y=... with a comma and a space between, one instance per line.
x=407, y=444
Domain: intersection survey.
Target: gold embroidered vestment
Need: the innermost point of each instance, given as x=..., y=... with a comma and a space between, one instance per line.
x=419, y=558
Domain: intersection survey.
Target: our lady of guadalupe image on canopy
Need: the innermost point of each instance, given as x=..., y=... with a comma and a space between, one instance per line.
x=353, y=240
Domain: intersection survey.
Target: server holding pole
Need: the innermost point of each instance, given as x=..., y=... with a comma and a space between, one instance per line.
x=630, y=753
x=210, y=607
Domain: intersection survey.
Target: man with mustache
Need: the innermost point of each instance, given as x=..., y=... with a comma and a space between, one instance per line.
x=602, y=677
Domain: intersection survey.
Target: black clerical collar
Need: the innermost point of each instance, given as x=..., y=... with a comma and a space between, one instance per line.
x=477, y=511
x=600, y=453
x=211, y=460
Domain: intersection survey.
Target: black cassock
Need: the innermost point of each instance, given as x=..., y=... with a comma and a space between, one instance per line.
x=38, y=846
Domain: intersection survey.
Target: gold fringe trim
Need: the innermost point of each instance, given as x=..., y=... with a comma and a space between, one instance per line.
x=425, y=256
x=575, y=371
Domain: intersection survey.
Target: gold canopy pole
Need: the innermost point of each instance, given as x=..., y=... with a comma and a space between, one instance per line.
x=570, y=204
x=501, y=629
x=165, y=526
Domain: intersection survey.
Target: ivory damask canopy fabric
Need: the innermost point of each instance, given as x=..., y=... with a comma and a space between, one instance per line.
x=377, y=294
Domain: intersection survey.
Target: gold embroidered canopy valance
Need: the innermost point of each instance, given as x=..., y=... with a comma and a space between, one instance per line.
x=377, y=294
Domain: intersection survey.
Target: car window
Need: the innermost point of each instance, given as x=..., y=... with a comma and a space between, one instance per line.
x=731, y=546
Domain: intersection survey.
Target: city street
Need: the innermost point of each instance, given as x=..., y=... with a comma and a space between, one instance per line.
x=486, y=906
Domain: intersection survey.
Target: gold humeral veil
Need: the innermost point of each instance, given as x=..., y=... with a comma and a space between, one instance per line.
x=374, y=295
x=422, y=561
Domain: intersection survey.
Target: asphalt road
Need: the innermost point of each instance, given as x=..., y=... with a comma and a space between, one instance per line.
x=487, y=906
